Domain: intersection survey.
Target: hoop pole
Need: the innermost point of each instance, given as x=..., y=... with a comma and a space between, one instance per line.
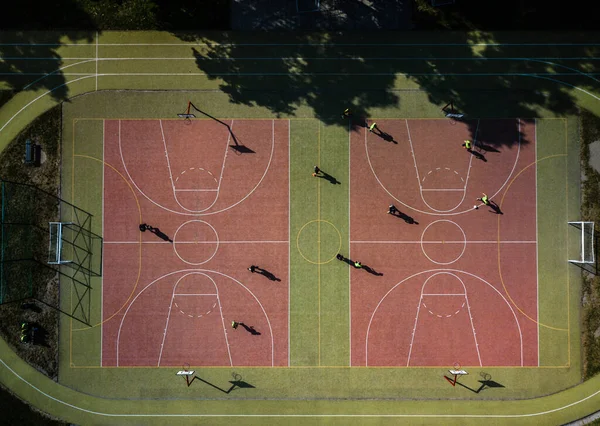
x=452, y=382
x=188, y=107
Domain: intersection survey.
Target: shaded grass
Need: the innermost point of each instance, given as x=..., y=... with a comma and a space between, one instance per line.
x=590, y=211
x=46, y=131
x=17, y=412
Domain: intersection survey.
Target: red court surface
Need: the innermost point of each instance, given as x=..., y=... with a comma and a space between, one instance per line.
x=457, y=282
x=170, y=303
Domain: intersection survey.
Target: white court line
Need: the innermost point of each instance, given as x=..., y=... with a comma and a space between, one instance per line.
x=444, y=294
x=96, y=61
x=222, y=320
x=289, y=235
x=457, y=271
x=196, y=242
x=412, y=151
x=537, y=278
x=162, y=344
x=540, y=59
x=349, y=254
x=203, y=272
x=443, y=242
x=133, y=182
x=473, y=327
x=196, y=190
x=102, y=257
x=516, y=159
x=412, y=337
x=196, y=294
x=188, y=44
x=442, y=189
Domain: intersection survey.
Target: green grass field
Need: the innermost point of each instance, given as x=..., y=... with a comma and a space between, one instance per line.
x=308, y=80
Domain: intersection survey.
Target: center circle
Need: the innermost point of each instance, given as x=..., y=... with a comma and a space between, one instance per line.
x=443, y=242
x=319, y=241
x=195, y=242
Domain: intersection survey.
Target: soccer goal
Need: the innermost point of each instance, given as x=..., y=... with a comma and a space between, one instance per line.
x=55, y=247
x=584, y=240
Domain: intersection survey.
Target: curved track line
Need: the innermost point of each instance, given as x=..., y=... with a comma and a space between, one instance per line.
x=498, y=241
x=175, y=415
x=137, y=280
x=440, y=270
x=201, y=271
x=208, y=213
x=41, y=96
x=60, y=69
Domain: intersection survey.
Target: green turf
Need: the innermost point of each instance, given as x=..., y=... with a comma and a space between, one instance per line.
x=319, y=315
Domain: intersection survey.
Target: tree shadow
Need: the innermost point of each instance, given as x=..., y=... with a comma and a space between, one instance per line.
x=329, y=73
x=34, y=60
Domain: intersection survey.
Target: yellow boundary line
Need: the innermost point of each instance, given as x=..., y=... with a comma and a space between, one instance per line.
x=140, y=219
x=319, y=236
x=500, y=263
x=318, y=263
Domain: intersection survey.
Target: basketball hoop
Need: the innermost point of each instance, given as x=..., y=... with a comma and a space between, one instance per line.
x=455, y=371
x=187, y=116
x=187, y=373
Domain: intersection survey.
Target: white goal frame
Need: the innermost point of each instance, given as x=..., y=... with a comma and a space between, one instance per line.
x=587, y=234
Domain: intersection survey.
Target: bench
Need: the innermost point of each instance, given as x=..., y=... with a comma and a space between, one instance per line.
x=33, y=153
x=29, y=152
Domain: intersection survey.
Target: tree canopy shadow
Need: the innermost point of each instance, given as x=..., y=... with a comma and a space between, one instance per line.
x=31, y=59
x=484, y=77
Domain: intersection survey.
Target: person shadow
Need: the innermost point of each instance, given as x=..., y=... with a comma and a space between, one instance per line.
x=495, y=207
x=267, y=274
x=387, y=137
x=250, y=329
x=329, y=178
x=372, y=271
x=160, y=234
x=365, y=267
x=478, y=155
x=408, y=219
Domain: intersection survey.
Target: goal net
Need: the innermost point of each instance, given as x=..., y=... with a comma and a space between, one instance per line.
x=582, y=250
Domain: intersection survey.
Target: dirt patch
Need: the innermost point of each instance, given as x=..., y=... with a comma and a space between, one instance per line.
x=42, y=350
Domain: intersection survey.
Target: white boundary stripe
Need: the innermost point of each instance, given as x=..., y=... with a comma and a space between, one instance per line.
x=442, y=242
x=162, y=343
x=102, y=279
x=196, y=242
x=96, y=61
x=187, y=44
x=196, y=190
x=537, y=261
x=349, y=243
x=289, y=236
x=222, y=320
x=473, y=327
x=196, y=294
x=412, y=337
x=412, y=151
